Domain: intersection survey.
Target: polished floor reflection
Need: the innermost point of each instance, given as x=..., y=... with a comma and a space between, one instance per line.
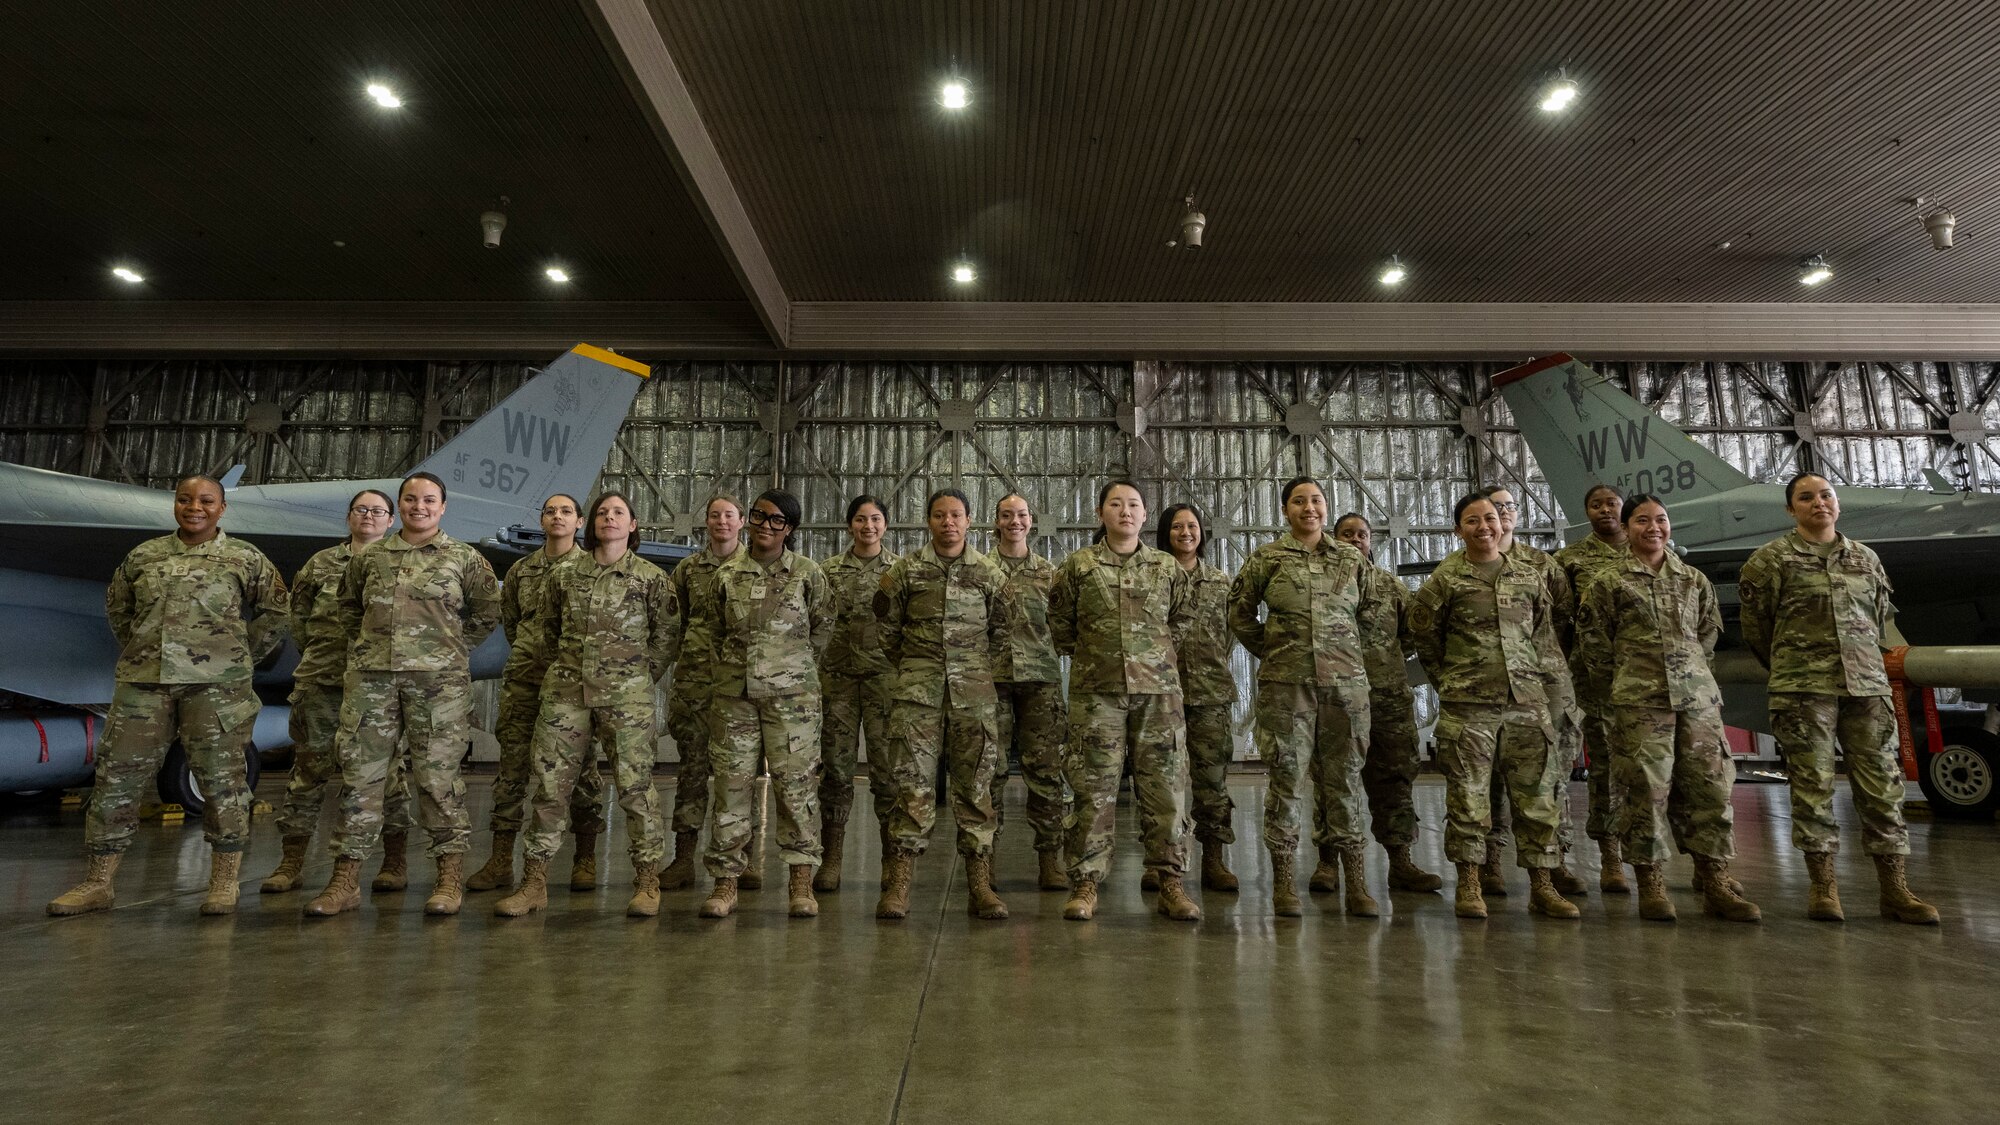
x=578, y=1014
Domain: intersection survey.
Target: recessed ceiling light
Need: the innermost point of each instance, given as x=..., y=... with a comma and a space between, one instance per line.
x=1814, y=271
x=556, y=274
x=1393, y=271
x=963, y=273
x=384, y=96
x=1558, y=94
x=954, y=95
x=126, y=275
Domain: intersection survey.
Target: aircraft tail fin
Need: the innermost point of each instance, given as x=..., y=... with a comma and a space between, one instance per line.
x=1584, y=432
x=552, y=435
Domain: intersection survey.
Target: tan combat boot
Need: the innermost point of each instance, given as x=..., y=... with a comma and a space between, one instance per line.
x=980, y=901
x=1174, y=901
x=800, y=891
x=1654, y=905
x=1215, y=873
x=94, y=893
x=721, y=900
x=1353, y=865
x=499, y=869
x=1405, y=875
x=224, y=868
x=1467, y=902
x=449, y=893
x=534, y=892
x=343, y=890
x=895, y=900
x=1543, y=898
x=1325, y=878
x=583, y=863
x=1492, y=878
x=645, y=901
x=395, y=872
x=1284, y=889
x=680, y=872
x=1720, y=897
x=833, y=839
x=1051, y=877
x=1565, y=881
x=1082, y=904
x=1611, y=856
x=1899, y=903
x=1823, y=901
x=291, y=865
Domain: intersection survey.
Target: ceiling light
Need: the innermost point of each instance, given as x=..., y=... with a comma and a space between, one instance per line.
x=1558, y=94
x=1814, y=270
x=1393, y=271
x=556, y=274
x=963, y=273
x=384, y=96
x=1938, y=222
x=126, y=275
x=953, y=95
x=1193, y=223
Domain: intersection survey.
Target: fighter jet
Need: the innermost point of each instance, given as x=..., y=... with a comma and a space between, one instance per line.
x=61, y=535
x=1940, y=547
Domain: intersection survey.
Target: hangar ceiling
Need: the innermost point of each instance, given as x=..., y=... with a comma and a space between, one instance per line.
x=226, y=147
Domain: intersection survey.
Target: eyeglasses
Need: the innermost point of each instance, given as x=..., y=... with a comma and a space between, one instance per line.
x=1504, y=509
x=759, y=518
x=368, y=513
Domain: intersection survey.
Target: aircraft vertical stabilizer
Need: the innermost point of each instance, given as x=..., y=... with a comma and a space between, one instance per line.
x=551, y=435
x=1584, y=431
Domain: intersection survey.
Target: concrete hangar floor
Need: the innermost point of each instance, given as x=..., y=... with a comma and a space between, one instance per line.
x=579, y=1014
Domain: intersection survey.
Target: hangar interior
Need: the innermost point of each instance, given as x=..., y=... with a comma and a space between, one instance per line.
x=771, y=204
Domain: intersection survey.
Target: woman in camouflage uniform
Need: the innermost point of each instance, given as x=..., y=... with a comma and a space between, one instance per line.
x=1645, y=632
x=193, y=613
x=316, y=707
x=687, y=705
x=774, y=616
x=1027, y=676
x=854, y=680
x=1481, y=626
x=1208, y=692
x=611, y=627
x=1816, y=610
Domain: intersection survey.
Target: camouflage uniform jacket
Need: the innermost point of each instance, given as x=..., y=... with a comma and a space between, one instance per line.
x=1118, y=621
x=1562, y=625
x=316, y=617
x=1314, y=600
x=1583, y=561
x=194, y=615
x=694, y=587
x=773, y=623
x=856, y=648
x=1457, y=618
x=1817, y=623
x=1385, y=636
x=417, y=609
x=1207, y=643
x=1647, y=638
x=524, y=599
x=612, y=630
x=944, y=623
x=1030, y=655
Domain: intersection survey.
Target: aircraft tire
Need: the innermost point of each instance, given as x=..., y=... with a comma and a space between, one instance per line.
x=1962, y=781
x=176, y=779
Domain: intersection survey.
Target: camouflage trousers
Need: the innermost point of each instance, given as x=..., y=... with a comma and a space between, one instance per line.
x=1307, y=729
x=213, y=723
x=1389, y=771
x=688, y=723
x=1103, y=728
x=1676, y=775
x=854, y=705
x=1515, y=742
x=433, y=712
x=515, y=729
x=783, y=729
x=1211, y=742
x=1806, y=727
x=965, y=737
x=315, y=727
x=1569, y=744
x=564, y=750
x=1031, y=728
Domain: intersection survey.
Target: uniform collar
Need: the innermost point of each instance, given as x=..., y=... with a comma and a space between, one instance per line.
x=928, y=554
x=396, y=542
x=181, y=546
x=1328, y=545
x=1803, y=546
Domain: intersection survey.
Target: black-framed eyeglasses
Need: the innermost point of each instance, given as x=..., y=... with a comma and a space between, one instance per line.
x=376, y=513
x=1509, y=506
x=760, y=518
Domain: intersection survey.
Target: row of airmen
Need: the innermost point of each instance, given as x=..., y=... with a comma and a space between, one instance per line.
x=951, y=655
